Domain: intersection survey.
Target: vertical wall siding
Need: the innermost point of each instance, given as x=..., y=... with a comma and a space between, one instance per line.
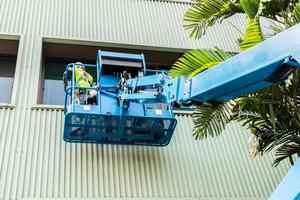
x=35, y=162
x=141, y=22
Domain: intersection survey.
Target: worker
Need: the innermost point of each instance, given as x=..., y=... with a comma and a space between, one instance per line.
x=124, y=78
x=121, y=85
x=82, y=79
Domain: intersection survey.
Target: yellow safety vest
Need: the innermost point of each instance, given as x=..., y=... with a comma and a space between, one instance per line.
x=82, y=78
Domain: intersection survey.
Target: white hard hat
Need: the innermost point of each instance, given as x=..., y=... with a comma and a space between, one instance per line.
x=80, y=66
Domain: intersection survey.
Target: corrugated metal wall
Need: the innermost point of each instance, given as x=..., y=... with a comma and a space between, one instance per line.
x=36, y=163
x=141, y=22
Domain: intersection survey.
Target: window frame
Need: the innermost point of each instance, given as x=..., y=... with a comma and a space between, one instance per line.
x=72, y=41
x=19, y=39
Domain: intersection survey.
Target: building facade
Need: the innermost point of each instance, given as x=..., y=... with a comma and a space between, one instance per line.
x=37, y=37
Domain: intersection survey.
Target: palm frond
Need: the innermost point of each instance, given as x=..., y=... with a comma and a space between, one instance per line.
x=287, y=150
x=205, y=13
x=253, y=35
x=273, y=116
x=278, y=10
x=196, y=61
x=295, y=17
x=250, y=7
x=211, y=119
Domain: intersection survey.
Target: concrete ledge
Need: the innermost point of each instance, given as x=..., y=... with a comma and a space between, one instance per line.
x=47, y=107
x=7, y=105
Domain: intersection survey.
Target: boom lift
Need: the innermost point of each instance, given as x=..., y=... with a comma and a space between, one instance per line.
x=141, y=114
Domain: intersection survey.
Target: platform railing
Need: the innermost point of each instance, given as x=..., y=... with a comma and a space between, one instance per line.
x=70, y=90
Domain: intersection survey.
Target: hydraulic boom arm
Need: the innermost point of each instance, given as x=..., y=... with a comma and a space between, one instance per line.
x=259, y=67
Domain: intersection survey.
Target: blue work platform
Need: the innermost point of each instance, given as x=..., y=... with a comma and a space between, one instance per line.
x=119, y=117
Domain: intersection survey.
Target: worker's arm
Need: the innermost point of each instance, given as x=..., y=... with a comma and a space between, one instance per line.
x=65, y=78
x=90, y=79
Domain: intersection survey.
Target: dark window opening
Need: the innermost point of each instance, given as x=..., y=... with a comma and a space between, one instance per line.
x=8, y=59
x=53, y=89
x=56, y=56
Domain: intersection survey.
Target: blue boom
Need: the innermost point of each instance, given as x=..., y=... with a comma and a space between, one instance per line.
x=140, y=112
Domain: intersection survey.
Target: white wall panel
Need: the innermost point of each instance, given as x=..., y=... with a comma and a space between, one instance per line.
x=37, y=163
x=140, y=22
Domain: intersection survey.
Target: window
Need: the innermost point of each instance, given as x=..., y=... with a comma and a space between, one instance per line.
x=56, y=57
x=8, y=58
x=53, y=86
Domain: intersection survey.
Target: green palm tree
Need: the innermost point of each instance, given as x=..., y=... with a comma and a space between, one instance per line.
x=273, y=114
